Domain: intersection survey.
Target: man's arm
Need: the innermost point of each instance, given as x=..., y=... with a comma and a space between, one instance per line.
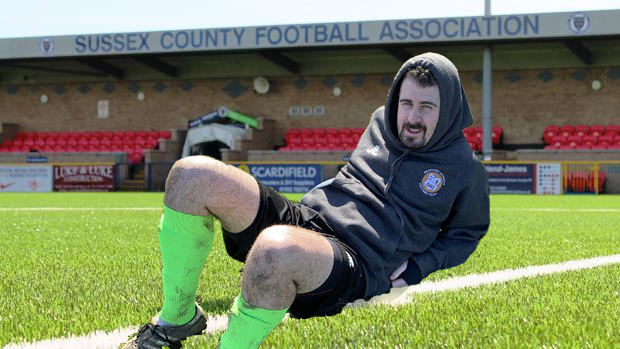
x=459, y=235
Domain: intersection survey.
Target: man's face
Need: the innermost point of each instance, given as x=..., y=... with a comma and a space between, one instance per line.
x=418, y=113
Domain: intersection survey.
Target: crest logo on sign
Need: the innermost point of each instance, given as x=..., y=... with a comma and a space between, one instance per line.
x=579, y=23
x=46, y=46
x=432, y=182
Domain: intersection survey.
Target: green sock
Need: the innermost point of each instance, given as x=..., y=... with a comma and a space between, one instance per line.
x=185, y=241
x=248, y=326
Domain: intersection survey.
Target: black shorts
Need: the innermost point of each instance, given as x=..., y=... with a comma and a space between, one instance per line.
x=346, y=281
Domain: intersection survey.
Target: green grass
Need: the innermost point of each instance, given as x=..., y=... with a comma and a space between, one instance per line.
x=76, y=271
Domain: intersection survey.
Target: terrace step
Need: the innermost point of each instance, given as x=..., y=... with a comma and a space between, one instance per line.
x=133, y=185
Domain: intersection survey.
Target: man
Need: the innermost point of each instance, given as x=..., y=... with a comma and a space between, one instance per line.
x=412, y=200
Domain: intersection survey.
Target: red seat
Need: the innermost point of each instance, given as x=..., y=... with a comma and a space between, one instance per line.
x=116, y=147
x=307, y=139
x=294, y=141
x=152, y=143
x=567, y=130
x=358, y=130
x=582, y=130
x=589, y=140
x=496, y=134
x=474, y=144
x=601, y=182
x=345, y=131
x=152, y=134
x=332, y=131
x=136, y=158
x=19, y=149
x=140, y=142
x=319, y=131
x=345, y=138
x=558, y=141
x=573, y=140
x=605, y=140
x=165, y=134
x=597, y=130
x=39, y=142
x=579, y=181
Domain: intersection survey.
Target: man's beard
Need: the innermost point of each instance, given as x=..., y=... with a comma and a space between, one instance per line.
x=410, y=142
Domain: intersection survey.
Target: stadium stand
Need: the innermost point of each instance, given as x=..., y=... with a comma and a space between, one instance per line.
x=328, y=139
x=474, y=136
x=581, y=137
x=132, y=142
x=584, y=181
x=321, y=139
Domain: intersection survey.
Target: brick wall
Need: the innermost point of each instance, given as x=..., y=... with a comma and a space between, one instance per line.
x=524, y=101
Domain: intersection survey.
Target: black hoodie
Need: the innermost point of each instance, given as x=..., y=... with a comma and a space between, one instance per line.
x=391, y=203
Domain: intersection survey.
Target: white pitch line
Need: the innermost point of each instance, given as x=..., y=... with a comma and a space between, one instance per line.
x=541, y=209
x=403, y=295
x=81, y=208
x=398, y=296
x=556, y=209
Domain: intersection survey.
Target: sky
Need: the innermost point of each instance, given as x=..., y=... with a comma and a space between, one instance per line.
x=27, y=18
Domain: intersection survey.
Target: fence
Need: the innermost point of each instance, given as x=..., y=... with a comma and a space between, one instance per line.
x=596, y=177
x=505, y=177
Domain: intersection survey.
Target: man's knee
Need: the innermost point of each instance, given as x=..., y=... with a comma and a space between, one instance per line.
x=187, y=182
x=274, y=250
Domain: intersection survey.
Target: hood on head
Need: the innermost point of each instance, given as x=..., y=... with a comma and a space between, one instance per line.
x=454, y=112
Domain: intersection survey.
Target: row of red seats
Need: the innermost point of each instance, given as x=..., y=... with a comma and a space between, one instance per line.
x=95, y=134
x=132, y=142
x=474, y=136
x=605, y=141
x=583, y=181
x=552, y=131
x=322, y=139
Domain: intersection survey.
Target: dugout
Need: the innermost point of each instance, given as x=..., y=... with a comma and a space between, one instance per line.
x=552, y=68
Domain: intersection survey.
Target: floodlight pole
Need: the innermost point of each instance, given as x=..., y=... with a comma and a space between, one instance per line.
x=487, y=94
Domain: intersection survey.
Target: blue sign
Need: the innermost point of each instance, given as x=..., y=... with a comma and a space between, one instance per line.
x=465, y=28
x=34, y=159
x=409, y=31
x=286, y=178
x=511, y=178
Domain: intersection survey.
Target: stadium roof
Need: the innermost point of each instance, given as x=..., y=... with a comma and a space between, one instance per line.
x=569, y=39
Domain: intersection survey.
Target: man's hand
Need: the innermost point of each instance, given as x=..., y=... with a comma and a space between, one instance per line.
x=407, y=274
x=397, y=281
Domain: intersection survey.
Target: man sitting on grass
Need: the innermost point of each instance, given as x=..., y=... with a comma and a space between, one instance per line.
x=413, y=199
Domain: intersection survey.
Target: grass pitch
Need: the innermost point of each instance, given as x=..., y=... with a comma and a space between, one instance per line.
x=74, y=263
